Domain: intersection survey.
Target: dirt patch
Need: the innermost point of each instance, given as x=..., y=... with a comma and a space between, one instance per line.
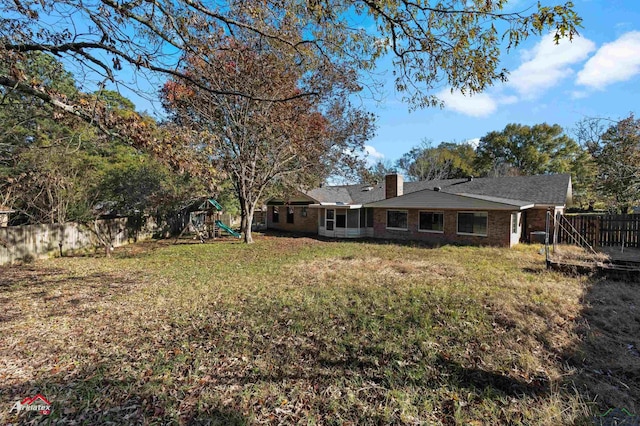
x=326, y=269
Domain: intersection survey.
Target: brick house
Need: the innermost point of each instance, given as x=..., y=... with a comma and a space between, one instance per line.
x=485, y=211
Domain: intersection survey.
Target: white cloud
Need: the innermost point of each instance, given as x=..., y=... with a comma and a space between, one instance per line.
x=508, y=100
x=546, y=64
x=578, y=94
x=372, y=155
x=613, y=62
x=478, y=105
x=542, y=67
x=622, y=25
x=474, y=142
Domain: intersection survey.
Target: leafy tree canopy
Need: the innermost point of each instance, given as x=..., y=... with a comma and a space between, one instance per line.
x=56, y=167
x=615, y=147
x=448, y=160
x=377, y=172
x=533, y=150
x=527, y=150
x=457, y=43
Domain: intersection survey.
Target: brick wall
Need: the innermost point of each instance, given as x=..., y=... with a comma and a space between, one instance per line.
x=308, y=224
x=537, y=221
x=393, y=186
x=498, y=229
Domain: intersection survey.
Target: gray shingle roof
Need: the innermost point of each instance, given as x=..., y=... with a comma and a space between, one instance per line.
x=331, y=194
x=540, y=189
x=441, y=200
x=348, y=194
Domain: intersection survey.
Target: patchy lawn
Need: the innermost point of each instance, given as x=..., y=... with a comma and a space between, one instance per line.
x=295, y=330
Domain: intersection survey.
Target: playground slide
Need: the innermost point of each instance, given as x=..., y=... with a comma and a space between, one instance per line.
x=227, y=229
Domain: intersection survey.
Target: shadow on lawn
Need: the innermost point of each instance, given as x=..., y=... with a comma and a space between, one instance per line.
x=456, y=374
x=82, y=398
x=26, y=276
x=476, y=378
x=608, y=358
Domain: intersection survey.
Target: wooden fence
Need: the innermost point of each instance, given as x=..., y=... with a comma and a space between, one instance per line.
x=602, y=230
x=43, y=240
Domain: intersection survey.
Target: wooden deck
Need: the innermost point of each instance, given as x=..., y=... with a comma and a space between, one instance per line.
x=628, y=255
x=609, y=261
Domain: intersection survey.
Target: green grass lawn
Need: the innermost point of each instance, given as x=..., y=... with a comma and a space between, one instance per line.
x=300, y=331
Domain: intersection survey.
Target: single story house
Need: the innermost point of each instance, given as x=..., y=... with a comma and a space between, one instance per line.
x=500, y=211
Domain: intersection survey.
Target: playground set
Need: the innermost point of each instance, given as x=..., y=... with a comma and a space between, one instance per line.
x=205, y=222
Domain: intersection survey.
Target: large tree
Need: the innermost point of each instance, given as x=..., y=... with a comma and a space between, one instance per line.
x=40, y=162
x=615, y=147
x=538, y=149
x=56, y=168
x=531, y=150
x=448, y=160
x=259, y=144
x=376, y=172
x=456, y=43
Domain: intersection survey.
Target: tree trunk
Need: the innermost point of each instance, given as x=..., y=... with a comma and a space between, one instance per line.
x=104, y=239
x=243, y=218
x=249, y=209
x=243, y=210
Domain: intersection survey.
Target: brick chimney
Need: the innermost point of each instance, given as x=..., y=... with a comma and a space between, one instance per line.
x=393, y=186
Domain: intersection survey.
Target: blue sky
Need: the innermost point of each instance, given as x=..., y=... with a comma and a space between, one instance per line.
x=598, y=74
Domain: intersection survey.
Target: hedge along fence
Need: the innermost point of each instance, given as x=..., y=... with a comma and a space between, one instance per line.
x=43, y=240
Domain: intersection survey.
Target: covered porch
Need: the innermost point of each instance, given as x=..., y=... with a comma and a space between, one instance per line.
x=344, y=221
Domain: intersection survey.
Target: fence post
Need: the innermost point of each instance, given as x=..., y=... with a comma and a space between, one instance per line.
x=556, y=226
x=546, y=239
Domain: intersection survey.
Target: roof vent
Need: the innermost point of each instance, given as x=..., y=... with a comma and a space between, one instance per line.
x=367, y=188
x=470, y=178
x=437, y=189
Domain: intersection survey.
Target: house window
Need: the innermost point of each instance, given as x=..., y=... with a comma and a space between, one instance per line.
x=303, y=212
x=514, y=223
x=431, y=222
x=290, y=214
x=275, y=216
x=330, y=219
x=472, y=223
x=369, y=218
x=353, y=216
x=397, y=219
